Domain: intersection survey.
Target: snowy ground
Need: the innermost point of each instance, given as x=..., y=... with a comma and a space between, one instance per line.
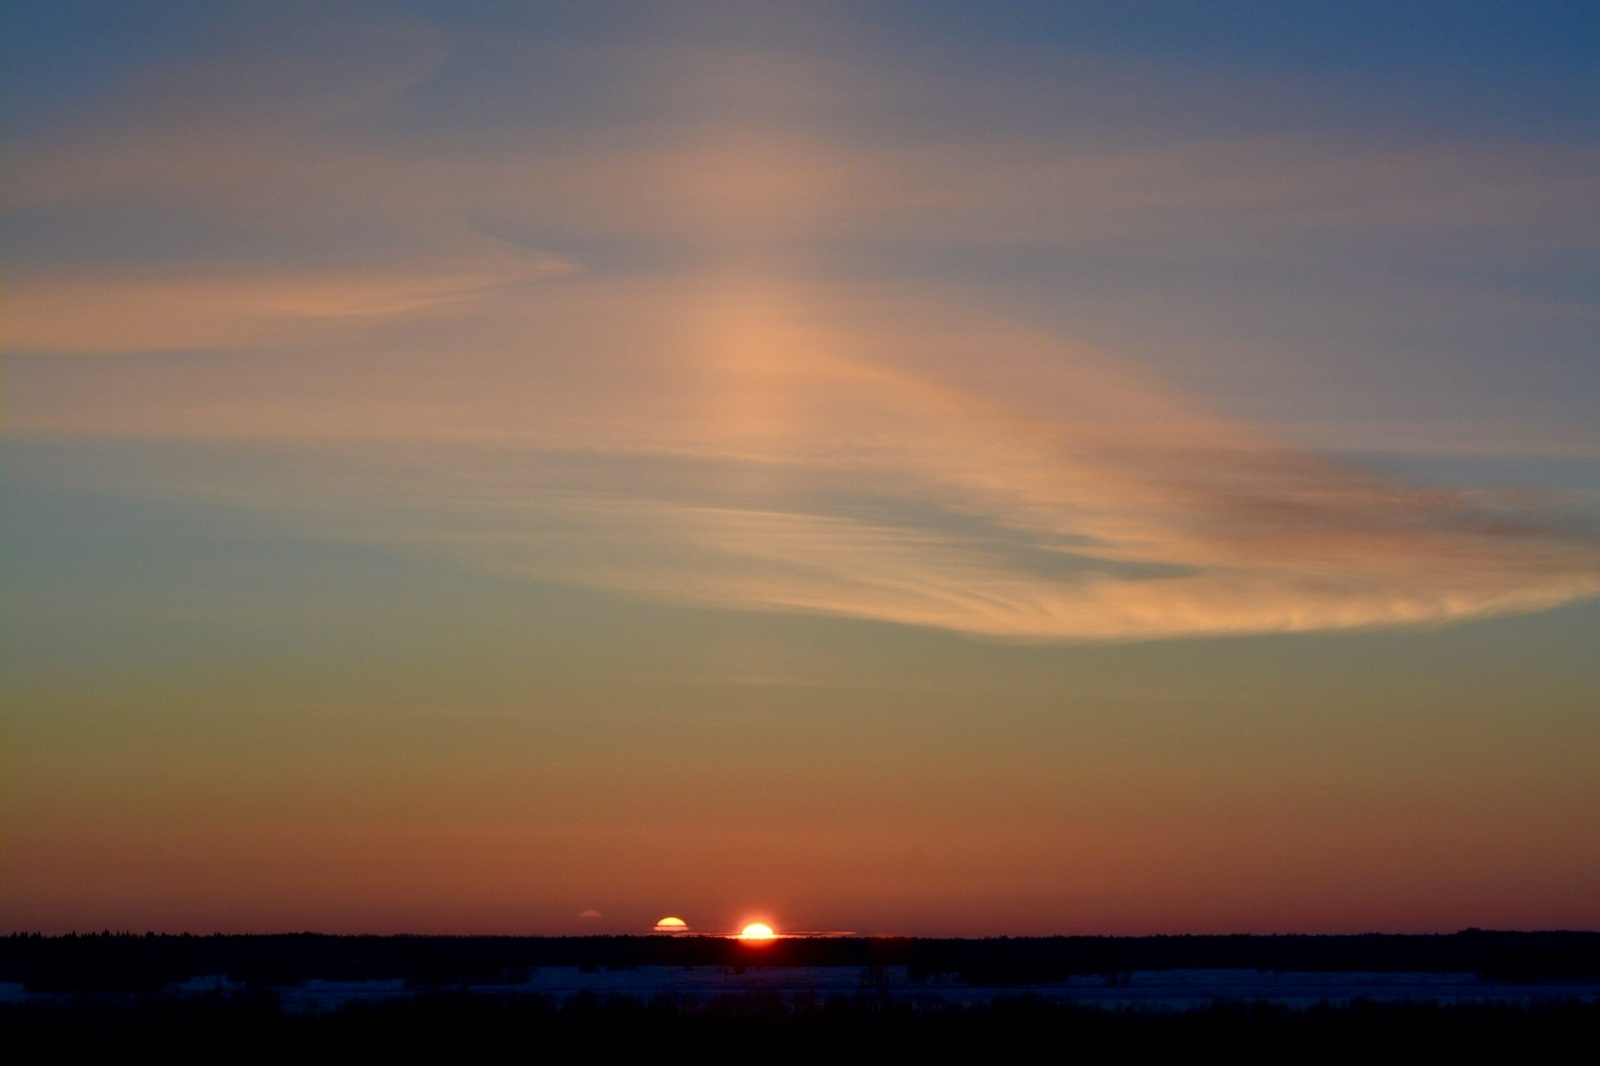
x=1171, y=989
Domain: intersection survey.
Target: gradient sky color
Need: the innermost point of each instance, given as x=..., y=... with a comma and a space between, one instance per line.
x=910, y=468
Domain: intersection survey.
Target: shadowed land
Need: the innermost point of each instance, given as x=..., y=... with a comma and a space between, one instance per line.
x=124, y=962
x=591, y=1028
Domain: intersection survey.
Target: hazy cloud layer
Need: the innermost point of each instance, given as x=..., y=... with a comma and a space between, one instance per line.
x=611, y=355
x=863, y=455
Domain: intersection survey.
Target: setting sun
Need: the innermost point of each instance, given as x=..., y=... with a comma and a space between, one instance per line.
x=932, y=470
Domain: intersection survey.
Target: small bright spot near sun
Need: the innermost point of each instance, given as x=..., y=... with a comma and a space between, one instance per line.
x=672, y=925
x=757, y=931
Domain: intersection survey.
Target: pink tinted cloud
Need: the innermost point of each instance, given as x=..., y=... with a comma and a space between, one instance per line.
x=764, y=446
x=712, y=430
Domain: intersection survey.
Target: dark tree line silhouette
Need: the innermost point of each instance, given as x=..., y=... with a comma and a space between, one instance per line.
x=124, y=962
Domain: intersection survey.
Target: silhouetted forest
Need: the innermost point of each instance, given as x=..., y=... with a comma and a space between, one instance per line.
x=123, y=962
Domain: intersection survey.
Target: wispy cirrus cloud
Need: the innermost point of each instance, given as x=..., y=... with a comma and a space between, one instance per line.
x=85, y=315
x=865, y=455
x=696, y=417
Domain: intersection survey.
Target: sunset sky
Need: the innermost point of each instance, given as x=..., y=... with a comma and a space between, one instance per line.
x=911, y=468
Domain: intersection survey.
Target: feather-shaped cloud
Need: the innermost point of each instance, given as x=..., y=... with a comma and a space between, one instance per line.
x=696, y=417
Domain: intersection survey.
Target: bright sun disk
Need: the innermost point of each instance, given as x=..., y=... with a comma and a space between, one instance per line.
x=757, y=931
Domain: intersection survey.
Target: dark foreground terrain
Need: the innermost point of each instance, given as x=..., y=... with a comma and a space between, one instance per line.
x=125, y=962
x=179, y=998
x=457, y=1026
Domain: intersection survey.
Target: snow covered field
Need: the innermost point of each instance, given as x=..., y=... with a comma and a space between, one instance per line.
x=1170, y=989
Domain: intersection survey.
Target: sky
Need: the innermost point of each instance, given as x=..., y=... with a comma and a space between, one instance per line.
x=929, y=469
